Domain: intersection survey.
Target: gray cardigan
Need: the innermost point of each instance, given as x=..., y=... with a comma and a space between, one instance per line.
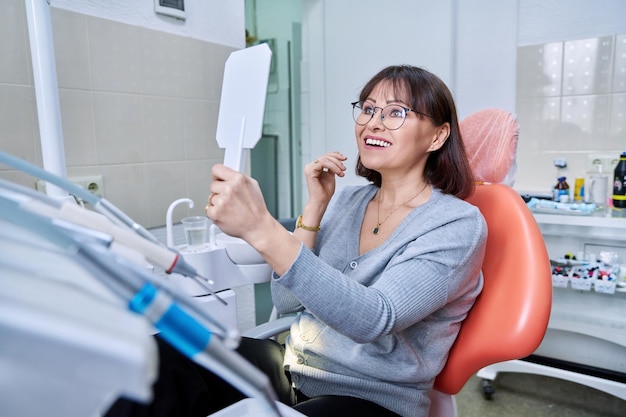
x=379, y=325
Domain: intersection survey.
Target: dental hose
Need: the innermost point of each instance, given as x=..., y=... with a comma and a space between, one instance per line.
x=20, y=199
x=133, y=285
x=170, y=260
x=194, y=341
x=103, y=206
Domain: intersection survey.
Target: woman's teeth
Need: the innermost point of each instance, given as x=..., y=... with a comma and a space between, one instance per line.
x=377, y=142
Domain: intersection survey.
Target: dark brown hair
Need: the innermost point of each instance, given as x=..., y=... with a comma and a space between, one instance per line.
x=447, y=168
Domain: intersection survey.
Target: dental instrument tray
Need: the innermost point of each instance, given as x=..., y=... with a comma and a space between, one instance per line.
x=537, y=205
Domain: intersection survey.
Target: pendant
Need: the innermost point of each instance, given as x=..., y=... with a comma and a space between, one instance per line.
x=376, y=229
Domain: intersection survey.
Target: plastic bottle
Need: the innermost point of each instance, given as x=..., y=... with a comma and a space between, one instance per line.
x=619, y=183
x=561, y=191
x=579, y=189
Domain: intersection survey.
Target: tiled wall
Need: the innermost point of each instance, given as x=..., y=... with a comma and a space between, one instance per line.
x=138, y=106
x=571, y=103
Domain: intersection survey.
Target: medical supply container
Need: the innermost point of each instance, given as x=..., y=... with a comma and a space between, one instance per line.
x=561, y=191
x=619, y=183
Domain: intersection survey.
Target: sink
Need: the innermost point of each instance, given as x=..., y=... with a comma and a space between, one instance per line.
x=238, y=250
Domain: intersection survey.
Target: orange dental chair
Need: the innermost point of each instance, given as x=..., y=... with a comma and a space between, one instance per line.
x=510, y=316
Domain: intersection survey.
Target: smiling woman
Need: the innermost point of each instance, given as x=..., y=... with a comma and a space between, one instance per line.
x=427, y=100
x=381, y=275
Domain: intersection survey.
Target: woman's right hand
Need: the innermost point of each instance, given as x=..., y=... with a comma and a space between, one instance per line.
x=320, y=176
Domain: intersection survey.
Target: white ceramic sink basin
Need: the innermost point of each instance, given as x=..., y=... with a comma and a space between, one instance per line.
x=238, y=250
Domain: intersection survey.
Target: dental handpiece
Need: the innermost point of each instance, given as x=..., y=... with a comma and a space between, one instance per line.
x=132, y=284
x=30, y=203
x=168, y=259
x=155, y=253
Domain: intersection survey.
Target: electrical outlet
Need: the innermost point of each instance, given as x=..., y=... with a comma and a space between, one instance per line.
x=602, y=162
x=94, y=184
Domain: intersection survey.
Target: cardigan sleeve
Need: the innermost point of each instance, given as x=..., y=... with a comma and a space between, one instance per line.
x=439, y=268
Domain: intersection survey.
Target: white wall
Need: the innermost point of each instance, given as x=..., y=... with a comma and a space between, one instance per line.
x=469, y=44
x=543, y=21
x=138, y=105
x=485, y=55
x=207, y=20
x=579, y=46
x=346, y=43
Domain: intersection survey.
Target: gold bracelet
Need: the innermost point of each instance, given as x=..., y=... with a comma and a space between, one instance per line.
x=302, y=226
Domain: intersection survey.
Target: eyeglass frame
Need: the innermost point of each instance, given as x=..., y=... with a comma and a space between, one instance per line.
x=382, y=119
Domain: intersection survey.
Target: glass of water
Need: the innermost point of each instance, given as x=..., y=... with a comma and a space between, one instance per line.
x=195, y=231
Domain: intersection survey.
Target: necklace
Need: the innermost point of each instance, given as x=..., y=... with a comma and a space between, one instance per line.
x=376, y=229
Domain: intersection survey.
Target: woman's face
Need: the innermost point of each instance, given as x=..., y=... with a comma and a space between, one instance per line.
x=399, y=151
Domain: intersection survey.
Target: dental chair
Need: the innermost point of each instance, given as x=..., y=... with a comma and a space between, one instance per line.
x=510, y=316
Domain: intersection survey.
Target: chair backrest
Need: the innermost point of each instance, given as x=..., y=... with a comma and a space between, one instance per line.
x=510, y=316
x=490, y=139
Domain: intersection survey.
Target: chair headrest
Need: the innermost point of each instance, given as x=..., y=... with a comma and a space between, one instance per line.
x=490, y=138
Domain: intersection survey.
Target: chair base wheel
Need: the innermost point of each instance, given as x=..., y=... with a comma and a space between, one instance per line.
x=488, y=389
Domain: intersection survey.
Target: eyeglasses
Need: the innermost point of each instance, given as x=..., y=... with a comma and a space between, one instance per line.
x=392, y=116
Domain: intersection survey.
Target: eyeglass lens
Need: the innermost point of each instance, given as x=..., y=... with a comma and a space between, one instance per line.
x=392, y=115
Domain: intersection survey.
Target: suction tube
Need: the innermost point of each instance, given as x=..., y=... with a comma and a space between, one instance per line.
x=132, y=284
x=172, y=261
x=28, y=200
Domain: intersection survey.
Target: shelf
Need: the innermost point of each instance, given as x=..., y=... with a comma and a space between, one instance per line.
x=588, y=221
x=587, y=312
x=605, y=227
x=587, y=328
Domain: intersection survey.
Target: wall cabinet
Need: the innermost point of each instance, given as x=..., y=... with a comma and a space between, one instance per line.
x=586, y=337
x=587, y=329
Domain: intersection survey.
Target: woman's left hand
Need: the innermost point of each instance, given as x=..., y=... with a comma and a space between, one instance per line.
x=320, y=177
x=236, y=203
